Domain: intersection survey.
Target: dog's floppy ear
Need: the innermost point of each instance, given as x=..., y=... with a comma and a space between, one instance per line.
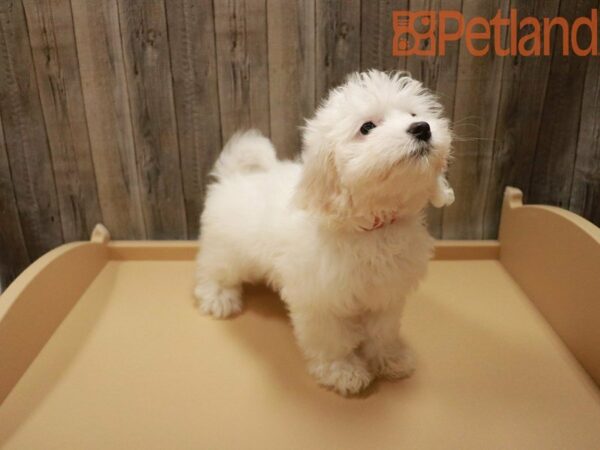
x=443, y=194
x=319, y=189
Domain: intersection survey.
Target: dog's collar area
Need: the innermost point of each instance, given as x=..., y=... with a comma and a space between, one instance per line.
x=377, y=221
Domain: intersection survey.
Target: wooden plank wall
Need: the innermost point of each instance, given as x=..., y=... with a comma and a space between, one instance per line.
x=114, y=111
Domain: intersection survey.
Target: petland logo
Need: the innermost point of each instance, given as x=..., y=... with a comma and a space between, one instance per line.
x=426, y=33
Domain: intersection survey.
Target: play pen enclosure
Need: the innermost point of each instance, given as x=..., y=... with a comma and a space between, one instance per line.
x=113, y=111
x=101, y=347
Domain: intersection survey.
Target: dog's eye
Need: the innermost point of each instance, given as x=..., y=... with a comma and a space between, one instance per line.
x=366, y=128
x=413, y=114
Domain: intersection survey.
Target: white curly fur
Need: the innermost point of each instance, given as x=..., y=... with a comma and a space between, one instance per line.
x=301, y=226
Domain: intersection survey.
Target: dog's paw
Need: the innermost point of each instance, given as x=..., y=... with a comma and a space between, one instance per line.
x=399, y=365
x=217, y=301
x=347, y=376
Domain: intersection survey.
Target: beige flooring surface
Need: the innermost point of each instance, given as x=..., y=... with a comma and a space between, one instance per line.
x=134, y=366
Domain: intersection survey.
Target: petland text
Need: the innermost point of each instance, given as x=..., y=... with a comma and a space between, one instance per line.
x=427, y=33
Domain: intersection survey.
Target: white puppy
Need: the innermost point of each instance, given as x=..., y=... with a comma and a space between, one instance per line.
x=340, y=235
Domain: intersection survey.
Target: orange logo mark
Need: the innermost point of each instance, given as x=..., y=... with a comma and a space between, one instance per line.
x=427, y=33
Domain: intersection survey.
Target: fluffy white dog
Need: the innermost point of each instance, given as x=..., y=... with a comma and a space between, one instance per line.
x=340, y=234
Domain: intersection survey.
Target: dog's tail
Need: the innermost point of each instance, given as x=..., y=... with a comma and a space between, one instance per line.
x=246, y=151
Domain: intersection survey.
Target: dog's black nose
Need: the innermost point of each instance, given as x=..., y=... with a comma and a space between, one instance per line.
x=420, y=130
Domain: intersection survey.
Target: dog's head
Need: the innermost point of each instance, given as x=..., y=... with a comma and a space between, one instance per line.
x=378, y=143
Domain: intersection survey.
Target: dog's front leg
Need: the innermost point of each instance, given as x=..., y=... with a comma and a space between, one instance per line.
x=329, y=342
x=387, y=355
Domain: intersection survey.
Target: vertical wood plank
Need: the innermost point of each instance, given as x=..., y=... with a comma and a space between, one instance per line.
x=13, y=252
x=438, y=73
x=195, y=88
x=106, y=101
x=377, y=35
x=52, y=38
x=148, y=73
x=519, y=118
x=585, y=194
x=554, y=161
x=241, y=38
x=337, y=42
x=478, y=89
x=25, y=135
x=414, y=64
x=291, y=34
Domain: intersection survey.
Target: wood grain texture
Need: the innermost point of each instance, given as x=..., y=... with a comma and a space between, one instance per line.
x=291, y=33
x=195, y=90
x=519, y=118
x=13, y=252
x=552, y=173
x=148, y=70
x=585, y=193
x=52, y=38
x=97, y=33
x=115, y=110
x=476, y=102
x=438, y=73
x=25, y=135
x=241, y=38
x=337, y=42
x=377, y=34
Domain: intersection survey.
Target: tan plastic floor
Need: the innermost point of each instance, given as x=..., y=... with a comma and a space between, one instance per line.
x=134, y=366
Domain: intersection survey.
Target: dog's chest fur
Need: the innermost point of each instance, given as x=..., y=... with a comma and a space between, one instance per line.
x=368, y=271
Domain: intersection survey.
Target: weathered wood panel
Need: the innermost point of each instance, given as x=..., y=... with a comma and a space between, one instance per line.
x=337, y=42
x=552, y=174
x=519, y=118
x=148, y=71
x=25, y=135
x=13, y=252
x=195, y=89
x=585, y=194
x=52, y=38
x=377, y=34
x=116, y=110
x=241, y=33
x=98, y=37
x=291, y=34
x=476, y=102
